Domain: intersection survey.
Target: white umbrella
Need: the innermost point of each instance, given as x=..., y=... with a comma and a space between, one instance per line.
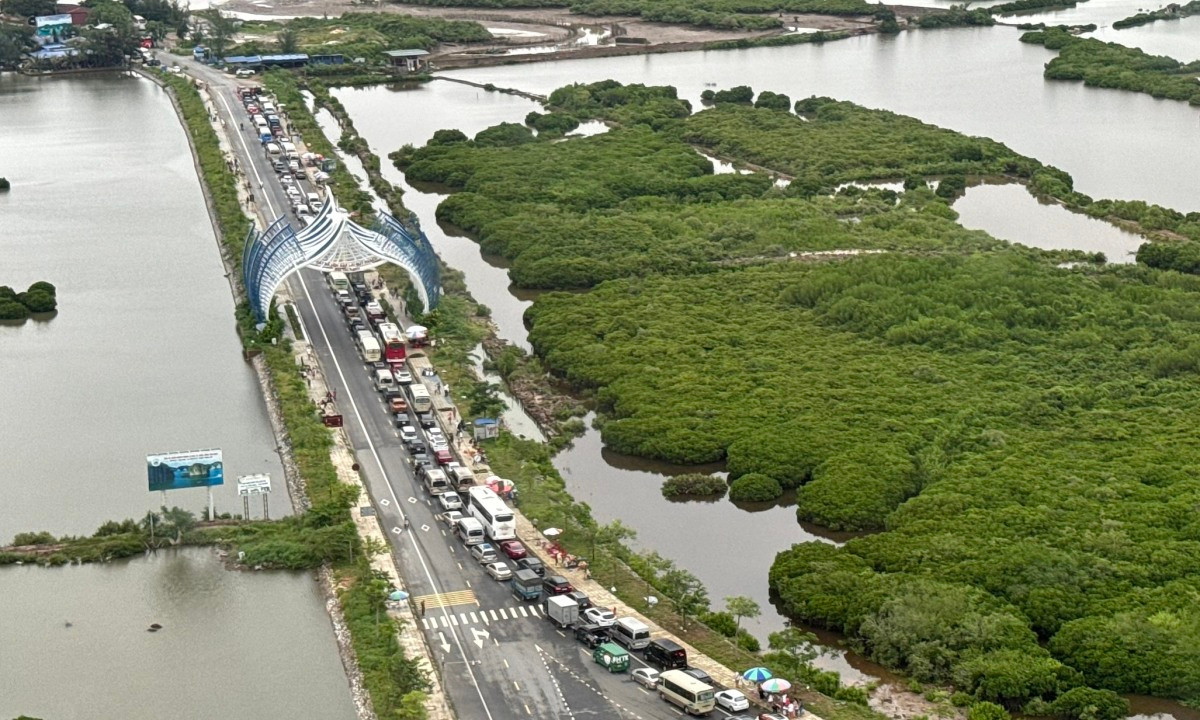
x=551, y=532
x=416, y=331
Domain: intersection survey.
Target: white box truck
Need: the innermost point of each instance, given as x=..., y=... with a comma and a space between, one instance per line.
x=562, y=610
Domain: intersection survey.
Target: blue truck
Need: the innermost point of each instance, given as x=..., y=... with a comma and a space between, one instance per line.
x=526, y=585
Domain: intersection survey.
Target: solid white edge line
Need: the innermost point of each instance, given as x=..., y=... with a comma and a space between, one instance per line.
x=387, y=481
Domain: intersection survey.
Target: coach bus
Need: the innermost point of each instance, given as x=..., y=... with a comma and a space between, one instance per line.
x=486, y=506
x=393, y=342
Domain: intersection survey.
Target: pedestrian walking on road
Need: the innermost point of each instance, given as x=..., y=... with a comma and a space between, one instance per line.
x=422, y=608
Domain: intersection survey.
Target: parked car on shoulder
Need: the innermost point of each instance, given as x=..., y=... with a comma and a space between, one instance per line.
x=514, y=549
x=732, y=700
x=600, y=616
x=646, y=677
x=498, y=570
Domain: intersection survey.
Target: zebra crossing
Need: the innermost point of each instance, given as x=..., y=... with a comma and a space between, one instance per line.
x=437, y=620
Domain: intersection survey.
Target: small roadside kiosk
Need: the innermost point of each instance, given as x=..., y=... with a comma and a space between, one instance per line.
x=612, y=656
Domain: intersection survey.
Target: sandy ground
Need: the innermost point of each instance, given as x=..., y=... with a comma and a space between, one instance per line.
x=540, y=27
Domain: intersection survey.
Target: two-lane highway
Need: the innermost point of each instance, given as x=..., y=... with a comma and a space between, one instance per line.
x=499, y=658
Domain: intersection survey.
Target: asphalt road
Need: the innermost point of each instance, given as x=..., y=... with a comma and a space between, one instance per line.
x=499, y=657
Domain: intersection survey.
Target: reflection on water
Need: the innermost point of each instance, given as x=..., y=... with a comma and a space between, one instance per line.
x=143, y=356
x=729, y=549
x=233, y=645
x=1009, y=212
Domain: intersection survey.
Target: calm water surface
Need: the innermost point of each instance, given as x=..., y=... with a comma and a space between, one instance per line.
x=143, y=355
x=993, y=88
x=233, y=645
x=1116, y=144
x=1179, y=39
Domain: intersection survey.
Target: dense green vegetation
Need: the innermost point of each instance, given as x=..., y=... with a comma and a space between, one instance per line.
x=1020, y=432
x=1021, y=6
x=755, y=487
x=957, y=16
x=693, y=485
x=1109, y=65
x=4, y=184
x=1172, y=13
x=365, y=35
x=39, y=298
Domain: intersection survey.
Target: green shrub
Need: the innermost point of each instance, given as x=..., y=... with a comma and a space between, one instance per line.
x=43, y=286
x=722, y=622
x=987, y=711
x=755, y=487
x=38, y=301
x=13, y=310
x=4, y=184
x=746, y=641
x=34, y=538
x=1085, y=703
x=694, y=484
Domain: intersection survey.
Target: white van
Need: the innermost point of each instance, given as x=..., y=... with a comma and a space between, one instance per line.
x=384, y=381
x=288, y=147
x=272, y=148
x=470, y=530
x=630, y=632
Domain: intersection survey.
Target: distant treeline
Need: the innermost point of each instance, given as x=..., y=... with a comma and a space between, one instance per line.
x=1171, y=12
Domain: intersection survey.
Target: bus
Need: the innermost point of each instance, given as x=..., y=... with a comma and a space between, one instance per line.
x=685, y=691
x=421, y=402
x=338, y=281
x=486, y=506
x=368, y=345
x=393, y=341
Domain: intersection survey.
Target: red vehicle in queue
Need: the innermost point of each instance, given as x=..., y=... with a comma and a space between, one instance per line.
x=394, y=346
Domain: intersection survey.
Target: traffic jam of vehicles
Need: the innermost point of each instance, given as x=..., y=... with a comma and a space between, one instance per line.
x=477, y=515
x=266, y=120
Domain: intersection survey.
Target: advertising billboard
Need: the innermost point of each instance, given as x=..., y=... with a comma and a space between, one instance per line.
x=195, y=468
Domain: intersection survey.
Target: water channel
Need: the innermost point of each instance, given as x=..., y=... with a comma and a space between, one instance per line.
x=993, y=88
x=142, y=357
x=74, y=642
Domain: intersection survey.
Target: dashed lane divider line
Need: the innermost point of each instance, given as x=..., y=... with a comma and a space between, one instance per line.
x=583, y=681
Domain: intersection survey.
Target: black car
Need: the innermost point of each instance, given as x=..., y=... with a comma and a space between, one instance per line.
x=422, y=460
x=591, y=635
x=417, y=446
x=701, y=676
x=532, y=563
x=427, y=420
x=581, y=599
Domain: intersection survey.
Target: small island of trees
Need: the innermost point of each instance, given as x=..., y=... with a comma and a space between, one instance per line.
x=4, y=184
x=39, y=298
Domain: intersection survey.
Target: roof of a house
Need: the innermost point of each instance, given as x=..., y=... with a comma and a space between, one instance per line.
x=416, y=52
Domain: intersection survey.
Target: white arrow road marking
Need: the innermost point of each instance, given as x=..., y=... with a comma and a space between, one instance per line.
x=480, y=635
x=445, y=645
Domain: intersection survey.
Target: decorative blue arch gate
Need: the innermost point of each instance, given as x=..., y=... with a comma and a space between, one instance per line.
x=335, y=242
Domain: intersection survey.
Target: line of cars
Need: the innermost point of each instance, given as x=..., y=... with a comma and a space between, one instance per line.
x=509, y=561
x=268, y=120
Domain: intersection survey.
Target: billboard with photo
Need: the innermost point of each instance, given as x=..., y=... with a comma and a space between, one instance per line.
x=195, y=468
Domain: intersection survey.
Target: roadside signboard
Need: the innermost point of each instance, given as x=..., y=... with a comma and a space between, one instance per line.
x=254, y=485
x=181, y=470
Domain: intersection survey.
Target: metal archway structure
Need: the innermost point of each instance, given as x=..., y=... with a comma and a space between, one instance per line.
x=332, y=241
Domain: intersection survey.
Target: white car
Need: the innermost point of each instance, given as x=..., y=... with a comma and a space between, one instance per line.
x=450, y=501
x=407, y=433
x=403, y=377
x=647, y=677
x=314, y=201
x=499, y=570
x=600, y=616
x=452, y=517
x=244, y=72
x=732, y=700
